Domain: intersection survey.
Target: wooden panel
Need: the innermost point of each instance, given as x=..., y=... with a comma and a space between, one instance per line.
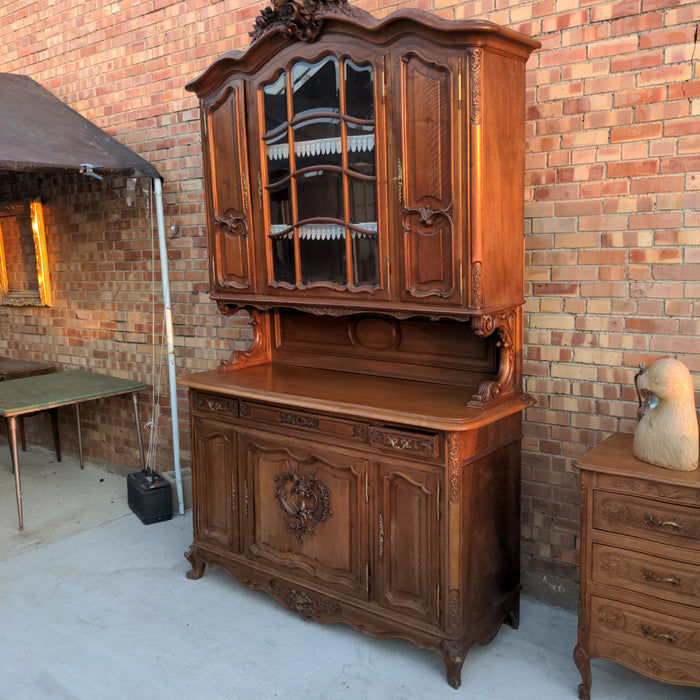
x=407, y=546
x=229, y=222
x=428, y=230
x=669, y=579
x=215, y=484
x=443, y=352
x=308, y=512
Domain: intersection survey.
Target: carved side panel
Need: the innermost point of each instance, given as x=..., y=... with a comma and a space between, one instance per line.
x=428, y=219
x=230, y=240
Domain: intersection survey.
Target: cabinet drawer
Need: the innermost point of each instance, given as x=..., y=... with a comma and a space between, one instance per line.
x=669, y=579
x=641, y=517
x=424, y=444
x=214, y=404
x=275, y=416
x=646, y=629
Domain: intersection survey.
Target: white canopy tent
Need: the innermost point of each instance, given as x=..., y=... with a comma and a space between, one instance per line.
x=38, y=132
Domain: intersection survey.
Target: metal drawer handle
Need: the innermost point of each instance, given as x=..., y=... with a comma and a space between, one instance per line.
x=398, y=444
x=649, y=576
x=653, y=522
x=646, y=631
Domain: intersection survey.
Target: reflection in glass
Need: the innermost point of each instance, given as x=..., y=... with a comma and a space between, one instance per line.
x=276, y=103
x=363, y=204
x=320, y=195
x=316, y=87
x=365, y=253
x=323, y=261
x=283, y=259
x=359, y=91
x=280, y=206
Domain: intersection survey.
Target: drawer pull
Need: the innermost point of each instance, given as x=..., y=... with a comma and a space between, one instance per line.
x=398, y=444
x=646, y=631
x=653, y=522
x=649, y=576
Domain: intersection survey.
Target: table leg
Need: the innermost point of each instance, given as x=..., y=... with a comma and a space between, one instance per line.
x=138, y=430
x=80, y=435
x=56, y=436
x=12, y=425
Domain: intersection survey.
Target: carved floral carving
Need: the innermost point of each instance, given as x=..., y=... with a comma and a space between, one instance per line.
x=305, y=603
x=297, y=19
x=475, y=73
x=305, y=501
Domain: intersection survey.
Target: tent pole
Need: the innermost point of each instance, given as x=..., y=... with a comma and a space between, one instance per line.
x=158, y=186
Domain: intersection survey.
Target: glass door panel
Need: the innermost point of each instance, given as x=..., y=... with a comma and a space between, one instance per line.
x=320, y=182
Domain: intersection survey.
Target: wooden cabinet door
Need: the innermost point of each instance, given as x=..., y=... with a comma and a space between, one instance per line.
x=228, y=205
x=407, y=542
x=305, y=513
x=215, y=485
x=428, y=166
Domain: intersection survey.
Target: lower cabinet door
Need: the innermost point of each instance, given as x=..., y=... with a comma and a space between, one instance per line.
x=215, y=483
x=408, y=542
x=305, y=512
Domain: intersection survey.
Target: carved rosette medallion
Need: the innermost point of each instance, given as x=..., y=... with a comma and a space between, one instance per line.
x=475, y=83
x=298, y=19
x=305, y=502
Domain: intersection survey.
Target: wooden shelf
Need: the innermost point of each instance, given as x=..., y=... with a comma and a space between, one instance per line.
x=384, y=399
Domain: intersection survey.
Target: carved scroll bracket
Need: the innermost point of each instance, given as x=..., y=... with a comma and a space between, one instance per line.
x=505, y=325
x=260, y=351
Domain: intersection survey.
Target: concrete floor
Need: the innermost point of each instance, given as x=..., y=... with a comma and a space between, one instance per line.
x=95, y=605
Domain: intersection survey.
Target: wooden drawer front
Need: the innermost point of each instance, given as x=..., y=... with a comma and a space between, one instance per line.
x=424, y=444
x=647, y=629
x=214, y=404
x=273, y=415
x=672, y=580
x=641, y=517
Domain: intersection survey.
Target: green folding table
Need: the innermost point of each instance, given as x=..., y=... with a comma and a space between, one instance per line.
x=19, y=397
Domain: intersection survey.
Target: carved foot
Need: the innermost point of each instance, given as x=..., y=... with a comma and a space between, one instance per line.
x=513, y=617
x=583, y=663
x=453, y=654
x=198, y=566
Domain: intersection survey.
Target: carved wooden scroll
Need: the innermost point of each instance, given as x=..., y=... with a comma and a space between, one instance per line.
x=259, y=351
x=297, y=19
x=504, y=324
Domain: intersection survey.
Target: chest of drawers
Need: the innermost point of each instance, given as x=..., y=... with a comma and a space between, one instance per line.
x=640, y=566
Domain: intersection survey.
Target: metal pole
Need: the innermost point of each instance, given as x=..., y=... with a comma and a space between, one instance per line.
x=158, y=187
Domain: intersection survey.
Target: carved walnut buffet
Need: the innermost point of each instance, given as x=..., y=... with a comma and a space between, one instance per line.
x=364, y=193
x=640, y=566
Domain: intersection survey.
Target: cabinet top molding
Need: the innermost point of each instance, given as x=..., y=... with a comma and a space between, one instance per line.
x=287, y=22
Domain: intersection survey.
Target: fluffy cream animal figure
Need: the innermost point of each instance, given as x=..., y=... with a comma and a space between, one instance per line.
x=667, y=435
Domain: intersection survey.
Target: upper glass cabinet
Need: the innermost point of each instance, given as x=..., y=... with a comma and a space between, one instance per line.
x=320, y=175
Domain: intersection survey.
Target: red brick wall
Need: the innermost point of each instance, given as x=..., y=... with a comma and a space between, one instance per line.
x=612, y=215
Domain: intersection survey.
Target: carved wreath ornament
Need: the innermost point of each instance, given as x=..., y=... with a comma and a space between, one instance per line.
x=305, y=501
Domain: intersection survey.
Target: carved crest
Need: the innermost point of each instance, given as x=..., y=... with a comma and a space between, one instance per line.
x=305, y=500
x=297, y=19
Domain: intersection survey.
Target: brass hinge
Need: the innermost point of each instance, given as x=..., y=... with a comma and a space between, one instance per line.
x=384, y=84
x=399, y=180
x=437, y=509
x=245, y=496
x=366, y=488
x=459, y=85
x=381, y=535
x=233, y=493
x=439, y=602
x=260, y=192
x=461, y=279
x=366, y=576
x=244, y=186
